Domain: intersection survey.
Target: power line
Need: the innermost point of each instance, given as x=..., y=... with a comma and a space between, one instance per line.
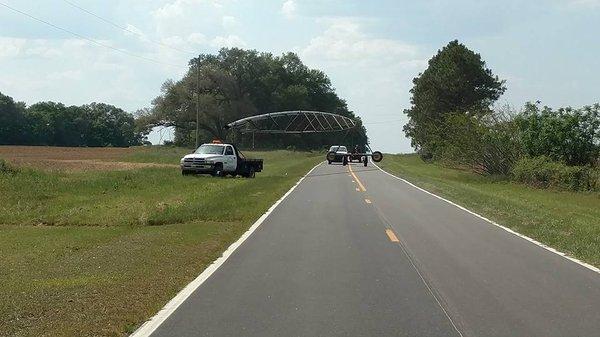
x=116, y=25
x=89, y=39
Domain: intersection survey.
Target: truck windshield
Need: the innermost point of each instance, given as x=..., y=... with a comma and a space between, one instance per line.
x=210, y=149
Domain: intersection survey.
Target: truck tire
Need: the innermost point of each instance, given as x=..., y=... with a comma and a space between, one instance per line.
x=377, y=156
x=329, y=162
x=345, y=161
x=366, y=160
x=218, y=170
x=250, y=173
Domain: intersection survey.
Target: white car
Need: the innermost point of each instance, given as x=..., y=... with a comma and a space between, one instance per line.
x=340, y=152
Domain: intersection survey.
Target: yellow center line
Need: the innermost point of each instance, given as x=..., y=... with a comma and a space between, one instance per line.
x=360, y=185
x=390, y=233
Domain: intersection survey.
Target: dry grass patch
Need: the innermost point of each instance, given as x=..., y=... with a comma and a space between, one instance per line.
x=78, y=159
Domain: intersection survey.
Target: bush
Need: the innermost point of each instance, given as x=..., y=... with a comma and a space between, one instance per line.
x=544, y=172
x=6, y=167
x=489, y=145
x=568, y=135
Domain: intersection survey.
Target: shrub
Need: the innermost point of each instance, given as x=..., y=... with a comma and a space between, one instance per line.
x=488, y=145
x=567, y=135
x=6, y=167
x=543, y=172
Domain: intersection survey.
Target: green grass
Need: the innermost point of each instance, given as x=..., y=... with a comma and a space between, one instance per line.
x=97, y=253
x=567, y=221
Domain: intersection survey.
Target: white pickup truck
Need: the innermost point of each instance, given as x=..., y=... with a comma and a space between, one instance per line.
x=220, y=159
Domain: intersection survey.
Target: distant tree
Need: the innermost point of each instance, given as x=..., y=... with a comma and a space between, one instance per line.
x=12, y=121
x=55, y=124
x=456, y=81
x=109, y=126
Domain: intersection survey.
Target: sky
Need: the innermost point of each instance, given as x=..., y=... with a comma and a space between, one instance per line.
x=546, y=50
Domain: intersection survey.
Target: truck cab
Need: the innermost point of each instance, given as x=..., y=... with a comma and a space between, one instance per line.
x=220, y=159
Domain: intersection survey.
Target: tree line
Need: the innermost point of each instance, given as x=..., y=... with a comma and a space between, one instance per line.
x=237, y=83
x=452, y=119
x=55, y=124
x=221, y=88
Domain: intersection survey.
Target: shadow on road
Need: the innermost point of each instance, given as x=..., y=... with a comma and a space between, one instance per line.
x=335, y=173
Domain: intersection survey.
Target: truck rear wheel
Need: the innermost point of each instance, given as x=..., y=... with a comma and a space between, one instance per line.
x=251, y=173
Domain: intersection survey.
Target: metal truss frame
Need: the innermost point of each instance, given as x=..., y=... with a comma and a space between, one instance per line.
x=293, y=122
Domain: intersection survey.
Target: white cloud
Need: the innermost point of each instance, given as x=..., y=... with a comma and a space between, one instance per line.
x=344, y=43
x=64, y=75
x=229, y=22
x=228, y=41
x=178, y=16
x=174, y=41
x=13, y=47
x=289, y=8
x=578, y=5
x=73, y=71
x=175, y=8
x=135, y=31
x=196, y=38
x=585, y=3
x=374, y=74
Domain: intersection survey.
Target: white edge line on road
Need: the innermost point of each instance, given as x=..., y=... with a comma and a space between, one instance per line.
x=153, y=323
x=548, y=248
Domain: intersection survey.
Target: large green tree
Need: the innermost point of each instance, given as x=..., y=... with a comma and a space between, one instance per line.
x=237, y=83
x=208, y=90
x=456, y=81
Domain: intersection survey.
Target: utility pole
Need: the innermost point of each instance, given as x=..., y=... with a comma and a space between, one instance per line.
x=197, y=106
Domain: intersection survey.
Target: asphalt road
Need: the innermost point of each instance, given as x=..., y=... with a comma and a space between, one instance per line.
x=364, y=254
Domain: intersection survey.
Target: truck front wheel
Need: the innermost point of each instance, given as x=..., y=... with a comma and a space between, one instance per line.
x=218, y=170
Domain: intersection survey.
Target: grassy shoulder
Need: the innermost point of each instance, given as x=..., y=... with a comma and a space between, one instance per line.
x=99, y=252
x=568, y=221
